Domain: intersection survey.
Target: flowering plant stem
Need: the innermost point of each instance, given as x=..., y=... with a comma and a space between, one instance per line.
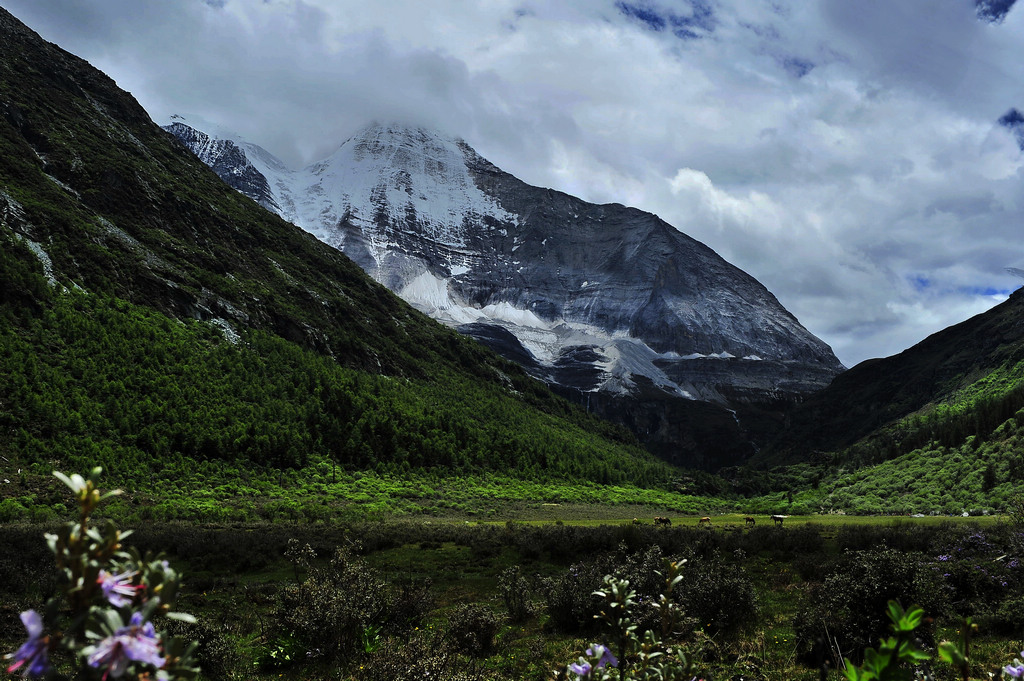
x=101, y=622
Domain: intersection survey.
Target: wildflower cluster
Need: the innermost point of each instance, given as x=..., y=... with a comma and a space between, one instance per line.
x=638, y=657
x=100, y=623
x=596, y=657
x=1015, y=670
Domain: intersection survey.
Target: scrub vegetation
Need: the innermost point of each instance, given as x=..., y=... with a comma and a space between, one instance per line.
x=449, y=599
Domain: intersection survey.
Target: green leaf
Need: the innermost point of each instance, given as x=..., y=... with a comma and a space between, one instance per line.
x=853, y=673
x=950, y=652
x=913, y=618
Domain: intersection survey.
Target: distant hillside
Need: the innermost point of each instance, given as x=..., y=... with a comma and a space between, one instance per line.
x=963, y=381
x=151, y=316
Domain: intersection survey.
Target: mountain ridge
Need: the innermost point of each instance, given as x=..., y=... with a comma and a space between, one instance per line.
x=870, y=408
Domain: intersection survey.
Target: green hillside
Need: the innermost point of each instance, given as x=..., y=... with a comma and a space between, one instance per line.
x=961, y=382
x=934, y=429
x=156, y=322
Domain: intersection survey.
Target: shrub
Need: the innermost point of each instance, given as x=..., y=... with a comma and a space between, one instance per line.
x=628, y=654
x=215, y=652
x=12, y=511
x=471, y=628
x=281, y=652
x=570, y=598
x=717, y=595
x=846, y=611
x=516, y=592
x=802, y=540
x=408, y=607
x=329, y=611
x=415, y=660
x=572, y=605
x=1007, y=618
x=980, y=570
x=974, y=584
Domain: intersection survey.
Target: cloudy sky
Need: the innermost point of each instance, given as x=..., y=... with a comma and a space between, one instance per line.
x=863, y=159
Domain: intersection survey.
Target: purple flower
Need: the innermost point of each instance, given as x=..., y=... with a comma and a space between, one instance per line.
x=604, y=653
x=604, y=657
x=32, y=653
x=582, y=669
x=118, y=589
x=1014, y=670
x=136, y=642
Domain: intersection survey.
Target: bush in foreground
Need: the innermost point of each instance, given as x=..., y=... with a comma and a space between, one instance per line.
x=100, y=624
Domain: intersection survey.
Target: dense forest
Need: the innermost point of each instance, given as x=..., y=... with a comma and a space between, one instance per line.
x=90, y=379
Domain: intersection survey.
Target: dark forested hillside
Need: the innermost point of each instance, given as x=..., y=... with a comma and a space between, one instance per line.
x=962, y=381
x=150, y=314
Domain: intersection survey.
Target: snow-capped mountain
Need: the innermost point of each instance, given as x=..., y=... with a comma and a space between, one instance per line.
x=600, y=299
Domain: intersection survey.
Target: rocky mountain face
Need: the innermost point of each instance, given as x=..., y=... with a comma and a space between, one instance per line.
x=612, y=305
x=230, y=163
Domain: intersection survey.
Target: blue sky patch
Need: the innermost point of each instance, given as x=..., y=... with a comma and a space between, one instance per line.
x=645, y=15
x=702, y=19
x=1013, y=120
x=986, y=291
x=797, y=67
x=922, y=283
x=993, y=11
x=699, y=22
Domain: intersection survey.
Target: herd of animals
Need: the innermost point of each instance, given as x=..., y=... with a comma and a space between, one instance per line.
x=749, y=521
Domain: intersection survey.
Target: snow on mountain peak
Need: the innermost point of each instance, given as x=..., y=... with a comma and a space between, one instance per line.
x=389, y=175
x=384, y=179
x=604, y=300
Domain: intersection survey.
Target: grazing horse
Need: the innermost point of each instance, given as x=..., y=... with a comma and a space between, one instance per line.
x=778, y=520
x=662, y=520
x=636, y=521
x=706, y=520
x=750, y=520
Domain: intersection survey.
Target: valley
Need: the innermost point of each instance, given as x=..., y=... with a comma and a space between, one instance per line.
x=397, y=415
x=511, y=599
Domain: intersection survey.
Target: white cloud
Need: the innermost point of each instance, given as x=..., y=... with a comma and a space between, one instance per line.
x=844, y=153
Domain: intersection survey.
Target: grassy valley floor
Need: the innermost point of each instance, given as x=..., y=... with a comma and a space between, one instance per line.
x=460, y=598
